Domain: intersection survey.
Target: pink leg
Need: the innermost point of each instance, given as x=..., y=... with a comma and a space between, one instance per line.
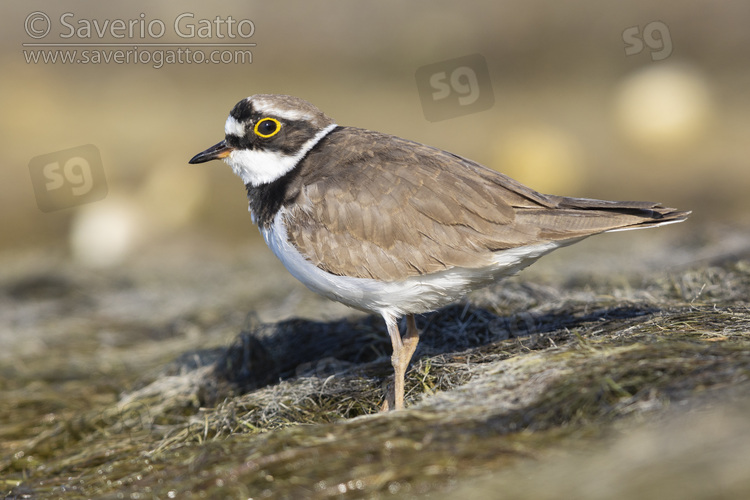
x=403, y=350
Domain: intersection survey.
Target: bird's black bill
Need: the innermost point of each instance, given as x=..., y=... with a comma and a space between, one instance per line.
x=215, y=152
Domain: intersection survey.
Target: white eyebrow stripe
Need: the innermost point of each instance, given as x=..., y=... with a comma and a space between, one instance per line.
x=233, y=127
x=291, y=114
x=267, y=108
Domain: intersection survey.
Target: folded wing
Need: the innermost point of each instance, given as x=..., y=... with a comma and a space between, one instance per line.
x=386, y=208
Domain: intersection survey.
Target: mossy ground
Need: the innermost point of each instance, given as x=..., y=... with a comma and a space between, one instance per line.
x=527, y=374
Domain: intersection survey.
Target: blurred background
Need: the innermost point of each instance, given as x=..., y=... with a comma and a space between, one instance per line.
x=122, y=265
x=617, y=100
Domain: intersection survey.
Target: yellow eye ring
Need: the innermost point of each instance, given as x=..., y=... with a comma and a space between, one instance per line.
x=267, y=127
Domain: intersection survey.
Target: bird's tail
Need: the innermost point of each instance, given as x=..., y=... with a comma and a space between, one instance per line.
x=576, y=217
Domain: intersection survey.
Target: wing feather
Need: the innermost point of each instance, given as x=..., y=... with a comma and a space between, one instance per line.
x=375, y=206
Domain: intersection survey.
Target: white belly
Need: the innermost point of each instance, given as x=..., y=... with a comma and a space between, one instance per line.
x=414, y=295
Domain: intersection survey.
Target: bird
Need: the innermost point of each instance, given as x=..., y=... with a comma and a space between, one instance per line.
x=391, y=226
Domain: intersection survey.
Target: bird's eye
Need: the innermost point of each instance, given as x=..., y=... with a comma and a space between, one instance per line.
x=267, y=127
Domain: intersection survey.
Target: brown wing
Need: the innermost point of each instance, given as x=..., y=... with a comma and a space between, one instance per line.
x=375, y=206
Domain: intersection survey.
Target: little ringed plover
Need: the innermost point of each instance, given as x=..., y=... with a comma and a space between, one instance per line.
x=391, y=226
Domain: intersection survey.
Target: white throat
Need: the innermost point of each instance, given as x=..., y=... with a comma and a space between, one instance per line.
x=262, y=167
